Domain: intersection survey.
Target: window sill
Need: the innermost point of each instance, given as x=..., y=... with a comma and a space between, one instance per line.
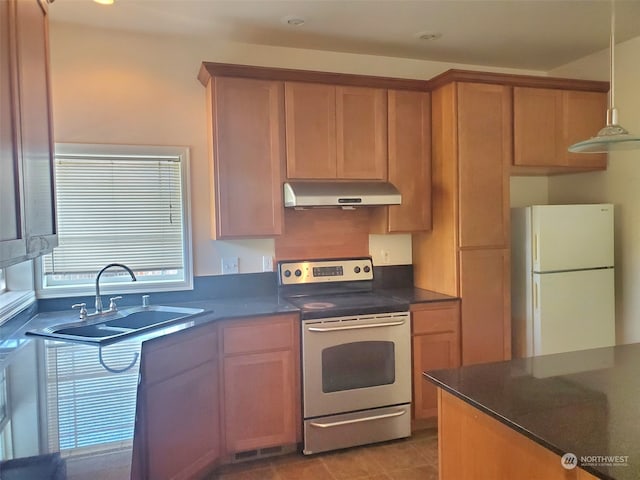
x=13, y=302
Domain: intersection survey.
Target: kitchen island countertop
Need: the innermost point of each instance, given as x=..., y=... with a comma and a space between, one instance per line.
x=586, y=403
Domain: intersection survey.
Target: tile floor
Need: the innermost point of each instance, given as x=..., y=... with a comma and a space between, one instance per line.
x=415, y=458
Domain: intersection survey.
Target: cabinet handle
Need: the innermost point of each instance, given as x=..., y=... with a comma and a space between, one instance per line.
x=357, y=420
x=354, y=327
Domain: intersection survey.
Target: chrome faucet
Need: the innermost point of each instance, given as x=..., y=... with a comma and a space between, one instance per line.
x=98, y=299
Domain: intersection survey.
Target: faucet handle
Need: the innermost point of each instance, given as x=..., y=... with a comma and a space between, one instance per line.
x=83, y=309
x=112, y=303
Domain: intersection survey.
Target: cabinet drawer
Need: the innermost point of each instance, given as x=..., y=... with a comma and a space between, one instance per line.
x=434, y=318
x=179, y=353
x=274, y=332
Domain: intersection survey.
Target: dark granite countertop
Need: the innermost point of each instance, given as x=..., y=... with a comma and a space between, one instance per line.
x=41, y=379
x=586, y=403
x=56, y=392
x=417, y=295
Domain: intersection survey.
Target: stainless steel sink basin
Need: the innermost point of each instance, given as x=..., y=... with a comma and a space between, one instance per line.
x=117, y=325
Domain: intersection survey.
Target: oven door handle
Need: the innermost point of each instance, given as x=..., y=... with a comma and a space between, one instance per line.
x=354, y=327
x=358, y=420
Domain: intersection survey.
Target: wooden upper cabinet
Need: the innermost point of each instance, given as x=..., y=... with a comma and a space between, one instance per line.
x=36, y=127
x=484, y=157
x=585, y=113
x=248, y=157
x=361, y=133
x=537, y=126
x=27, y=206
x=410, y=160
x=335, y=132
x=547, y=121
x=12, y=239
x=311, y=130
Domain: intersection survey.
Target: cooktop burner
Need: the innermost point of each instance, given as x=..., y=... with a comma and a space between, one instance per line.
x=317, y=305
x=342, y=305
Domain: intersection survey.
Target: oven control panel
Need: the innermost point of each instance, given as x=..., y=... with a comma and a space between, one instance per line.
x=325, y=271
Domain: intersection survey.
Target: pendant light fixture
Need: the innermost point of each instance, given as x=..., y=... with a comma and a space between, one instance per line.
x=612, y=136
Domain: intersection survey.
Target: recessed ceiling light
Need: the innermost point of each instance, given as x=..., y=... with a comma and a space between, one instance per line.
x=104, y=2
x=293, y=20
x=428, y=35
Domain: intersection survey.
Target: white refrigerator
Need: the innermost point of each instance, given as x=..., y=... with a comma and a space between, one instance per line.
x=562, y=293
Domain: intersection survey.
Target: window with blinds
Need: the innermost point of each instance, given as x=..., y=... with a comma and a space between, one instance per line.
x=120, y=204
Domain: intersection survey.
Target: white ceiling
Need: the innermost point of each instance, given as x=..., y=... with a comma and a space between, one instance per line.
x=530, y=34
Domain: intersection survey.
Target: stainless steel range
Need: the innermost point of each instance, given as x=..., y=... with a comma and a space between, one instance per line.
x=356, y=354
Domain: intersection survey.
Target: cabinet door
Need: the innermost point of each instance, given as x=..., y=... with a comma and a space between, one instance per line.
x=259, y=400
x=486, y=305
x=436, y=344
x=181, y=419
x=248, y=156
x=35, y=127
x=537, y=127
x=311, y=130
x=585, y=113
x=430, y=352
x=410, y=160
x=361, y=126
x=484, y=157
x=12, y=240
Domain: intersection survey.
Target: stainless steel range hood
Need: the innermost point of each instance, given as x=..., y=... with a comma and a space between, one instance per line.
x=340, y=194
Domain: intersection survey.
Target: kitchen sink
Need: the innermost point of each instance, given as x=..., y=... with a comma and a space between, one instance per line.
x=143, y=319
x=117, y=325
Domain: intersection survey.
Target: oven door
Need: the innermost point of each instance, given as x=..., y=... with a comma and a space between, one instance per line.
x=356, y=363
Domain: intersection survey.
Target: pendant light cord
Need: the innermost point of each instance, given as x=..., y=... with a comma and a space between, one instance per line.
x=612, y=103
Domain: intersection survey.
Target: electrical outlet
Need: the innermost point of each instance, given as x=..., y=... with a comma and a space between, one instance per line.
x=385, y=256
x=229, y=265
x=267, y=263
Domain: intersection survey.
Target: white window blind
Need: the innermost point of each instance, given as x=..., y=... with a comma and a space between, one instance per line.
x=125, y=205
x=90, y=408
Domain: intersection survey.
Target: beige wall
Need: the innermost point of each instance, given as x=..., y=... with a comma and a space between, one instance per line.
x=115, y=87
x=619, y=185
x=529, y=191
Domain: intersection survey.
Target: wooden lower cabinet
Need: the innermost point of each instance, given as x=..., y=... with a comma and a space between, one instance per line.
x=211, y=391
x=259, y=401
x=475, y=446
x=177, y=426
x=260, y=383
x=436, y=344
x=182, y=424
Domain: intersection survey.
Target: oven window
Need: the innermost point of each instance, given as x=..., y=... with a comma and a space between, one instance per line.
x=358, y=365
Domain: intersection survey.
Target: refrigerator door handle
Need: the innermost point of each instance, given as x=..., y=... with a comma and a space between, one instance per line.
x=535, y=249
x=535, y=295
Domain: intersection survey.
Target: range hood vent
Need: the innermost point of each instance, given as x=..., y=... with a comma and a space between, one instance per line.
x=340, y=194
